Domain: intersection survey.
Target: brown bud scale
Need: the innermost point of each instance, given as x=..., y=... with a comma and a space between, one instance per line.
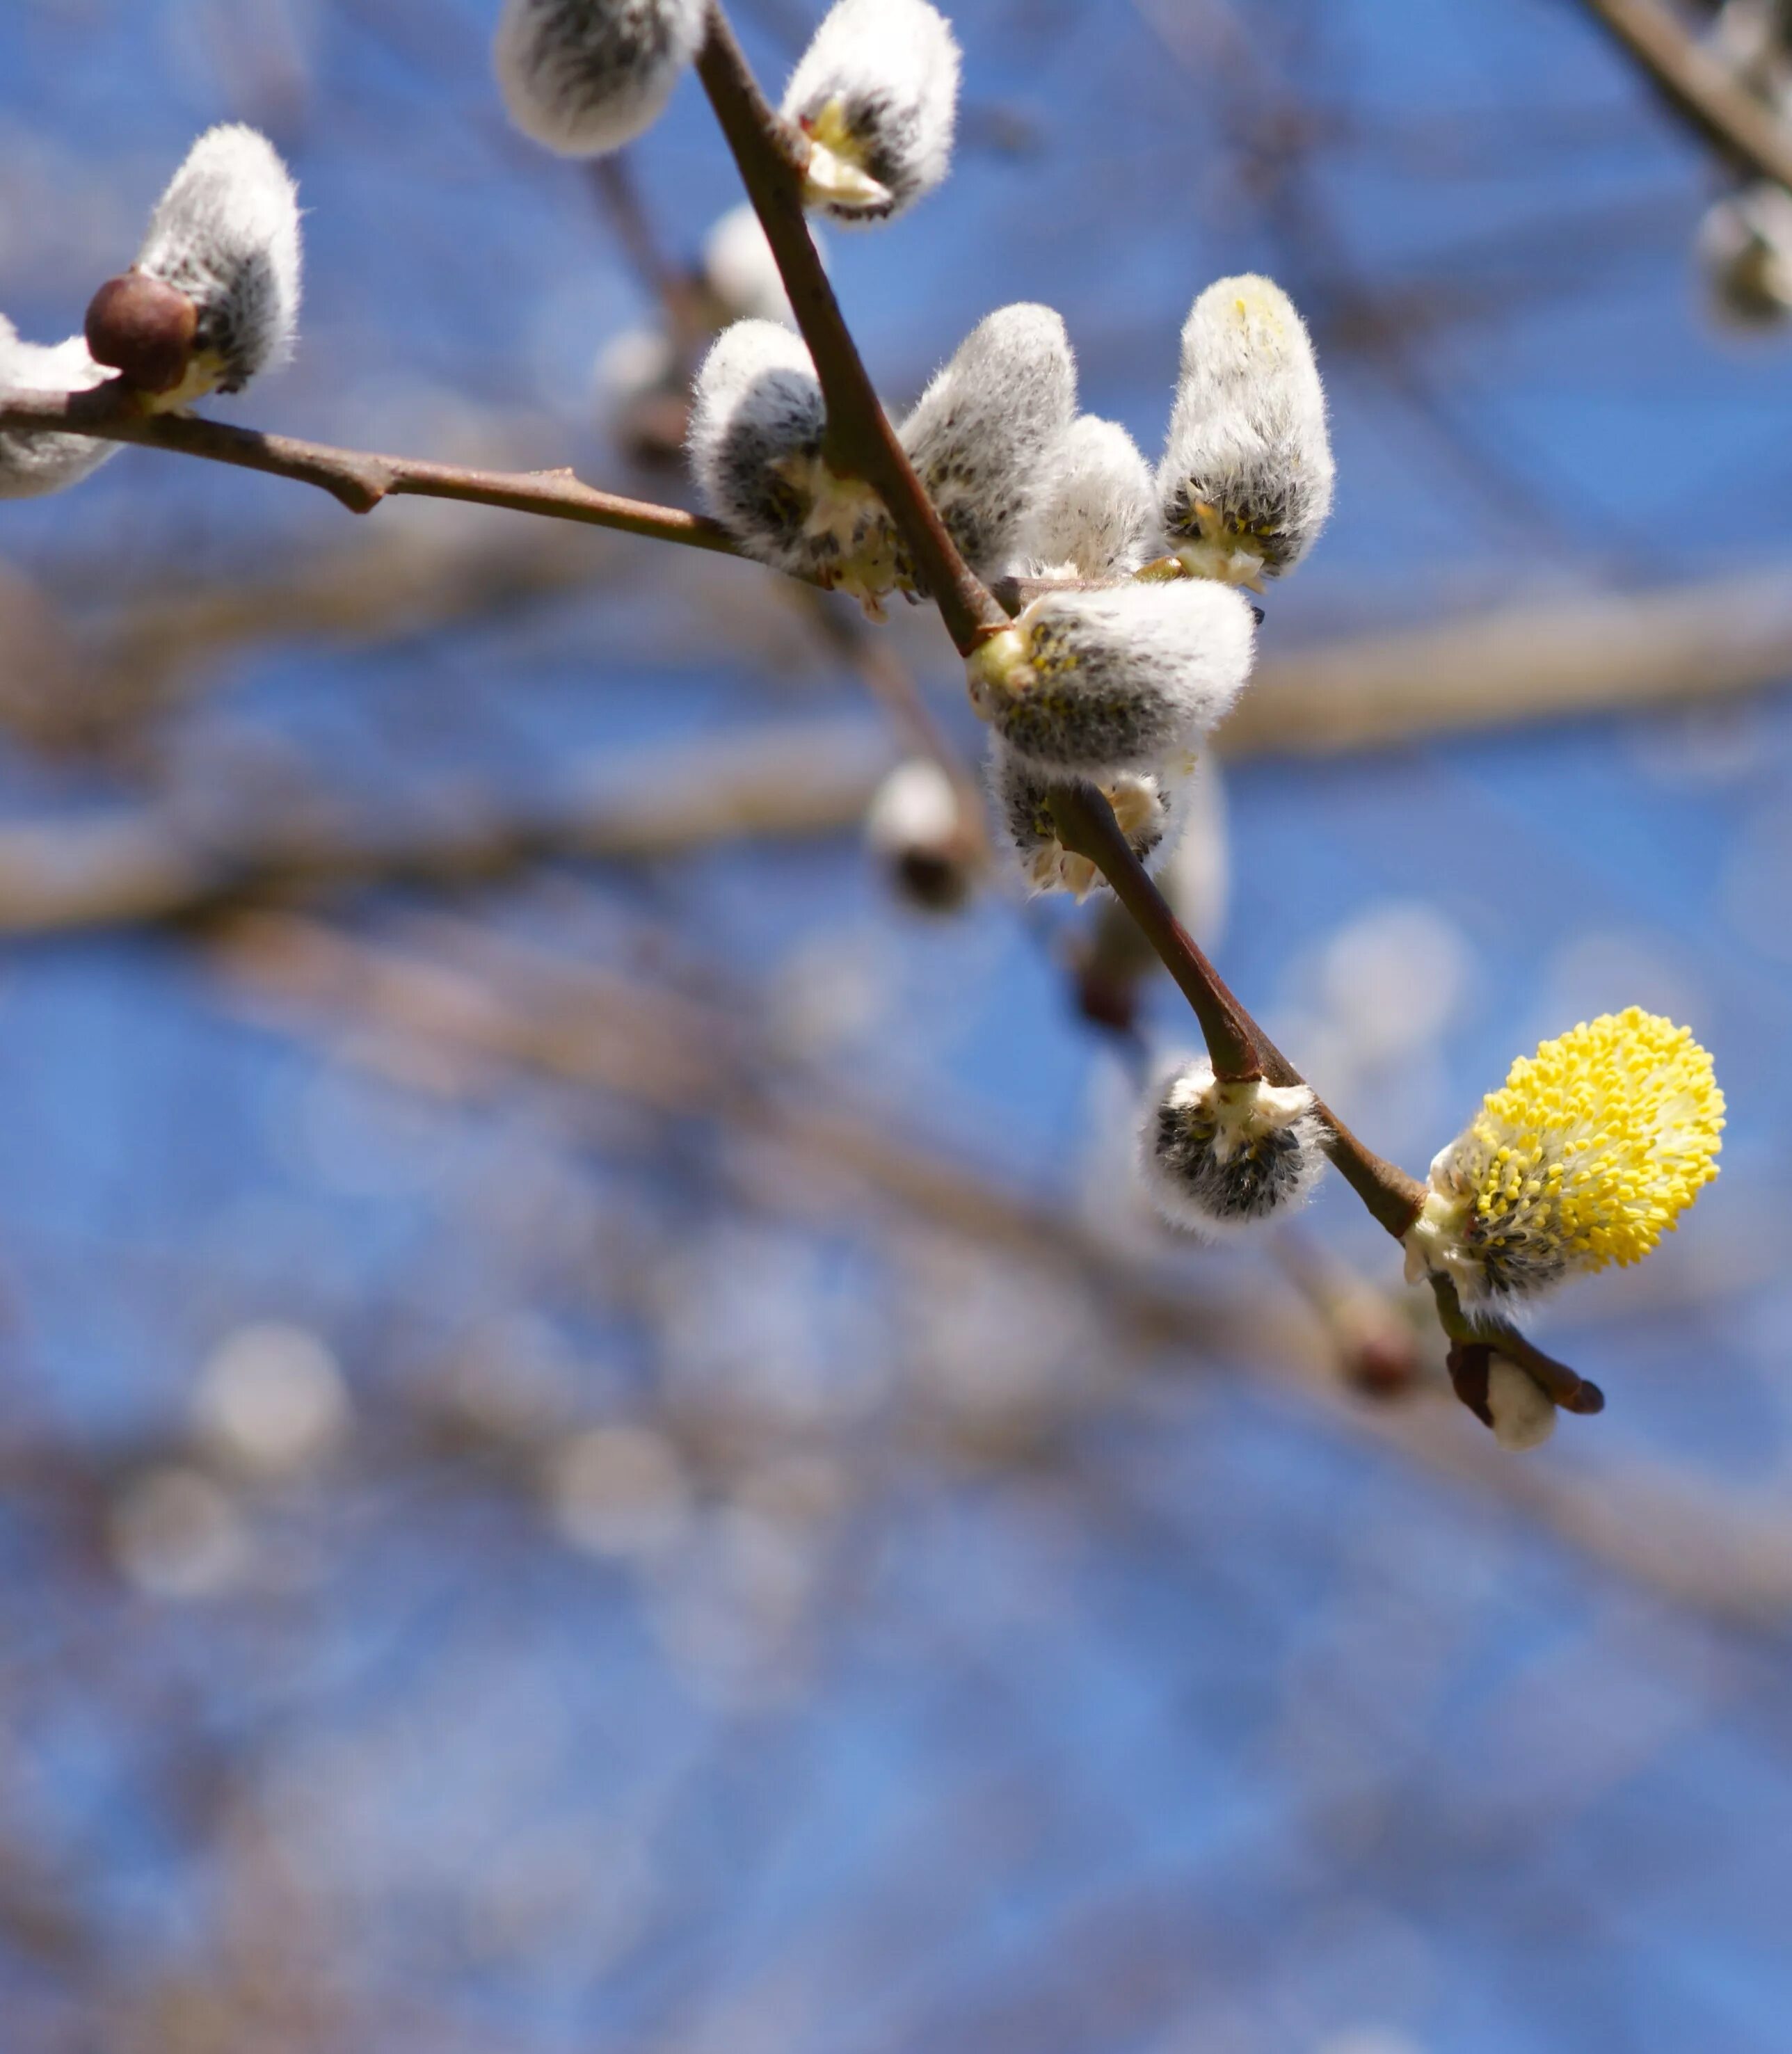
x=142, y=329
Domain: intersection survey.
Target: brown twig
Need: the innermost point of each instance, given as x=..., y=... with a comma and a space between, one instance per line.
x=1555, y=1379
x=1086, y=826
x=1238, y=1047
x=769, y=154
x=1699, y=87
x=359, y=479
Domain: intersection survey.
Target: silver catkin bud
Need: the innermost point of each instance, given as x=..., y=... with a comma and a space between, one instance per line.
x=757, y=426
x=986, y=437
x=31, y=464
x=585, y=76
x=1245, y=482
x=877, y=94
x=1218, y=1156
x=916, y=829
x=1128, y=680
x=1745, y=252
x=1150, y=809
x=1099, y=518
x=225, y=234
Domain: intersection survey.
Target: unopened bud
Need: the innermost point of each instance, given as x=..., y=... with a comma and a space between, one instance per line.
x=32, y=464
x=1148, y=809
x=986, y=437
x=876, y=95
x=915, y=827
x=1101, y=515
x=757, y=429
x=145, y=329
x=225, y=236
x=1745, y=251
x=585, y=76
x=1130, y=680
x=1221, y=1155
x=1245, y=482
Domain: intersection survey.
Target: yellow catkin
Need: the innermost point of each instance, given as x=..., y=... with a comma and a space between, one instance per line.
x=1594, y=1145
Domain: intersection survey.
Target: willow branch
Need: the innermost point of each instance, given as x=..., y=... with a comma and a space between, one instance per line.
x=862, y=442
x=1086, y=826
x=359, y=479
x=1238, y=1047
x=769, y=155
x=1699, y=88
x=1495, y=1336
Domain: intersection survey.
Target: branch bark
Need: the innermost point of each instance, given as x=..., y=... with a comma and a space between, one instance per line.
x=862, y=442
x=358, y=479
x=1699, y=88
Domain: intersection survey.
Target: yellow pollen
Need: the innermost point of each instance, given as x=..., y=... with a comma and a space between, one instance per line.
x=1599, y=1141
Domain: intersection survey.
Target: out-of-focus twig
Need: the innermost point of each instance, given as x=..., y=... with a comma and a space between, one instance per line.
x=150, y=865
x=1699, y=86
x=516, y=1008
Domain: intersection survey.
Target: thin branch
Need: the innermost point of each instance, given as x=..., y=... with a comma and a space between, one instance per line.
x=1086, y=826
x=359, y=479
x=1699, y=87
x=1558, y=1382
x=1238, y=1047
x=861, y=442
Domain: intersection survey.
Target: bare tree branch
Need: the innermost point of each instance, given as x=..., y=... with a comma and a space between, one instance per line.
x=359, y=479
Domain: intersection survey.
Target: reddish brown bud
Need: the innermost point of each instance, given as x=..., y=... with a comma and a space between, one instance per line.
x=143, y=328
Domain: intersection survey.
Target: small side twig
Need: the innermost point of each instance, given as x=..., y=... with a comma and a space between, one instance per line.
x=359, y=479
x=1473, y=1342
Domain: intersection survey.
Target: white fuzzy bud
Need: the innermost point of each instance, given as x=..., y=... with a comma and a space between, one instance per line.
x=1097, y=684
x=1245, y=482
x=226, y=234
x=33, y=464
x=585, y=76
x=1745, y=251
x=757, y=426
x=877, y=94
x=1216, y=1156
x=913, y=826
x=1523, y=1414
x=1150, y=810
x=986, y=437
x=1100, y=517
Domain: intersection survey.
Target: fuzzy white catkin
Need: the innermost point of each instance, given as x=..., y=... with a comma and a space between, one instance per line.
x=756, y=424
x=1245, y=482
x=1098, y=684
x=1216, y=1157
x=1745, y=251
x=1100, y=516
x=585, y=76
x=986, y=437
x=31, y=465
x=1151, y=810
x=876, y=91
x=226, y=232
